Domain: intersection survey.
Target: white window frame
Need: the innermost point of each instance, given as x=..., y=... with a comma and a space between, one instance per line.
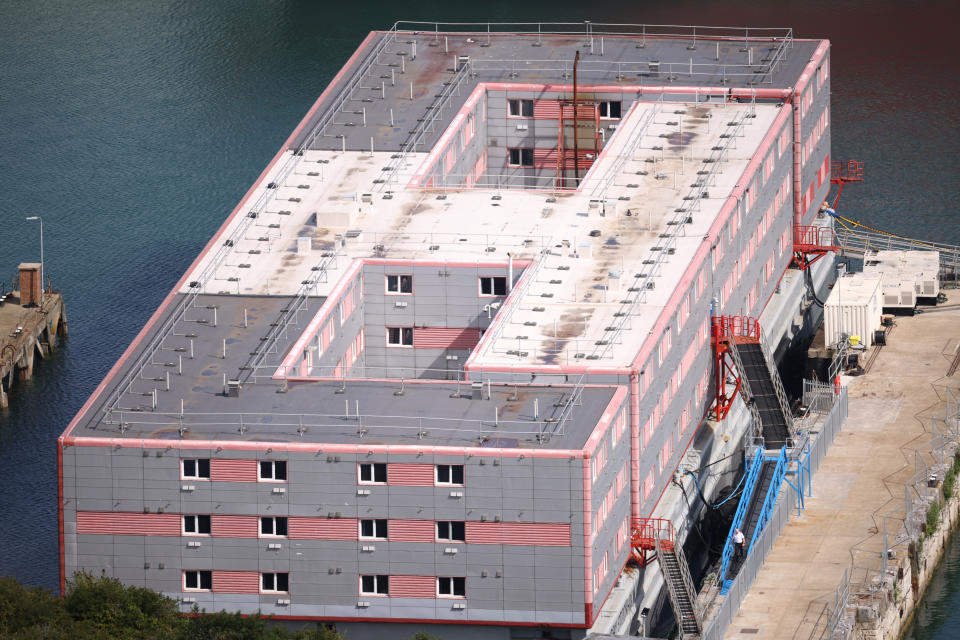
x=493, y=289
x=605, y=106
x=520, y=104
x=273, y=471
x=373, y=472
x=398, y=282
x=520, y=157
x=376, y=526
x=195, y=519
x=377, y=578
x=450, y=533
x=402, y=335
x=451, y=587
x=199, y=574
x=196, y=464
x=274, y=577
x=450, y=482
x=273, y=526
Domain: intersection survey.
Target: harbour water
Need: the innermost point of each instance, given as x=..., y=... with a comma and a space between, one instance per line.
x=134, y=128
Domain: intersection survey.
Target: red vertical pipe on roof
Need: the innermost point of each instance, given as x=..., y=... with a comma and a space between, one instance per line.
x=587, y=543
x=635, y=444
x=797, y=168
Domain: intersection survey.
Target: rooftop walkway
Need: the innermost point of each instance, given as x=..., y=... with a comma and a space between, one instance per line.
x=861, y=478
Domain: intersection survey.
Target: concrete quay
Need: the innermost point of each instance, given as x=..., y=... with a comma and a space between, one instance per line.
x=25, y=333
x=872, y=481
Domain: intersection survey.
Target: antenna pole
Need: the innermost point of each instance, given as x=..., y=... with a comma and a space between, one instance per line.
x=576, y=144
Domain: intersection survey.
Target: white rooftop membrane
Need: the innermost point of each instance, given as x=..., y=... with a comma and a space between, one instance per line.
x=587, y=246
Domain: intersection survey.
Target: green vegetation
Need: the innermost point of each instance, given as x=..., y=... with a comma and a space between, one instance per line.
x=97, y=608
x=933, y=517
x=950, y=479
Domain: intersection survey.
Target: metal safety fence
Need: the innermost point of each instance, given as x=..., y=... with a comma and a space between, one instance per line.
x=821, y=435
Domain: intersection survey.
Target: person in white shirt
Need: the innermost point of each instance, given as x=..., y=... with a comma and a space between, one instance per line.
x=738, y=542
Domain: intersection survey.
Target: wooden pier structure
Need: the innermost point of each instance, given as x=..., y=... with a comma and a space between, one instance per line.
x=31, y=322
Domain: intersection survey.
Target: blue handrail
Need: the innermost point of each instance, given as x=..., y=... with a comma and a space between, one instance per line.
x=772, y=492
x=749, y=485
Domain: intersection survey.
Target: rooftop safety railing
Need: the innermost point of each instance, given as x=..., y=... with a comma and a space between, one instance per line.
x=349, y=423
x=638, y=292
x=640, y=288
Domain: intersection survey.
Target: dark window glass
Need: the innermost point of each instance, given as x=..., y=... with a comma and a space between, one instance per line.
x=283, y=582
x=500, y=286
x=266, y=469
x=189, y=468
x=192, y=580
x=458, y=531
x=456, y=471
x=366, y=473
x=367, y=583
x=486, y=286
x=459, y=586
x=203, y=524
x=406, y=284
x=203, y=468
x=281, y=526
x=280, y=470
x=408, y=336
x=526, y=157
x=380, y=472
x=443, y=530
x=443, y=473
x=383, y=585
x=515, y=157
x=206, y=580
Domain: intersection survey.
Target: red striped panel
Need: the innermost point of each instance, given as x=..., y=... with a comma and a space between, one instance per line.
x=410, y=475
x=128, y=524
x=445, y=338
x=546, y=109
x=233, y=470
x=236, y=582
x=526, y=533
x=234, y=526
x=584, y=111
x=413, y=587
x=322, y=528
x=411, y=531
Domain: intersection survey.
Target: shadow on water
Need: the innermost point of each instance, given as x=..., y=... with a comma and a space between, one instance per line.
x=938, y=614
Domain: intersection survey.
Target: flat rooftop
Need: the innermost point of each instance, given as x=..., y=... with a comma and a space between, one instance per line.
x=390, y=412
x=638, y=218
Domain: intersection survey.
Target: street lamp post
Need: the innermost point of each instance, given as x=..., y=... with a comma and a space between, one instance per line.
x=40, y=220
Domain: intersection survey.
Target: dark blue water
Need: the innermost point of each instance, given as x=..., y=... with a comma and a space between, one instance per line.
x=134, y=127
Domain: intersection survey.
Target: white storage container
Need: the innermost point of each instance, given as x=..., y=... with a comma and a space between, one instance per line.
x=853, y=308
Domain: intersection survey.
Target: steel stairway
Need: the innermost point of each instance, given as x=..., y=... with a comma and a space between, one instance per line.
x=683, y=595
x=767, y=394
x=765, y=473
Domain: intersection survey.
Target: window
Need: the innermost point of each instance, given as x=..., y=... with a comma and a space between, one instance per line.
x=273, y=526
x=493, y=285
x=400, y=336
x=373, y=529
x=198, y=580
x=273, y=470
x=374, y=585
x=373, y=472
x=452, y=587
x=517, y=108
x=449, y=474
x=198, y=469
x=277, y=582
x=451, y=531
x=610, y=109
x=196, y=525
x=400, y=284
x=520, y=157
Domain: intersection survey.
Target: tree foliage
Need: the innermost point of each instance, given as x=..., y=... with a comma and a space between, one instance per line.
x=98, y=608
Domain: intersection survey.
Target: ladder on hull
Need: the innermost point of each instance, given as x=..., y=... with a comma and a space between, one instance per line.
x=683, y=596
